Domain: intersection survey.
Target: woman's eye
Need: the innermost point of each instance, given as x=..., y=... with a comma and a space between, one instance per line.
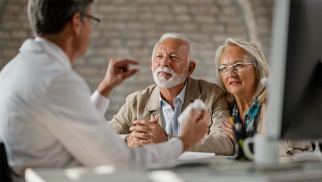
x=238, y=65
x=223, y=68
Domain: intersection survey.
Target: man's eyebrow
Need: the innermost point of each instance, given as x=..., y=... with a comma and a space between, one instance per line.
x=160, y=52
x=176, y=53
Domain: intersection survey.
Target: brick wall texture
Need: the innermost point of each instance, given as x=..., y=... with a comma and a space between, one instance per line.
x=131, y=28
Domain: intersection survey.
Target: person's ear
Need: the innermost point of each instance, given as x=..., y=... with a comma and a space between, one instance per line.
x=151, y=65
x=257, y=76
x=192, y=66
x=76, y=23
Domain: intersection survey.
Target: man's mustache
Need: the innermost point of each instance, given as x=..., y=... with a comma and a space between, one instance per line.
x=164, y=69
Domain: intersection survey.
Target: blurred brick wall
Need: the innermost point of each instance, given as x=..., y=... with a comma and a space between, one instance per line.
x=131, y=28
x=263, y=11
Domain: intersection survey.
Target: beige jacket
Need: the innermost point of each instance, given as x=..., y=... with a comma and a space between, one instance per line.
x=284, y=144
x=144, y=103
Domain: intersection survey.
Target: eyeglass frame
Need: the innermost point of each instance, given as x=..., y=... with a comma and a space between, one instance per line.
x=97, y=20
x=290, y=151
x=231, y=66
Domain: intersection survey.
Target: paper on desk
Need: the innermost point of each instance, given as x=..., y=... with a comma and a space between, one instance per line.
x=195, y=155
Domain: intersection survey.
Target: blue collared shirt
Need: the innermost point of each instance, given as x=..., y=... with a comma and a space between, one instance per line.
x=169, y=115
x=249, y=117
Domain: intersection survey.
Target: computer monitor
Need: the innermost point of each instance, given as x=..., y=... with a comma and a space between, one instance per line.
x=294, y=103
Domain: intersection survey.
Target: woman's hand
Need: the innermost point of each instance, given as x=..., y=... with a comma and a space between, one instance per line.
x=228, y=130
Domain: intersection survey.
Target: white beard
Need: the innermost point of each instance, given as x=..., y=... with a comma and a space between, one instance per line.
x=173, y=81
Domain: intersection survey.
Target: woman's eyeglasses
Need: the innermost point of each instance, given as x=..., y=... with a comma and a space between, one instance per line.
x=237, y=67
x=291, y=151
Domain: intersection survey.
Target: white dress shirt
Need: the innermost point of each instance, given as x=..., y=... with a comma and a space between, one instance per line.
x=170, y=116
x=47, y=118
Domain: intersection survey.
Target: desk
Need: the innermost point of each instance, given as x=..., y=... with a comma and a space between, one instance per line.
x=217, y=169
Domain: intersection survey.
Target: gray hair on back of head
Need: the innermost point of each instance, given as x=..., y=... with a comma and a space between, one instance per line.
x=176, y=36
x=256, y=56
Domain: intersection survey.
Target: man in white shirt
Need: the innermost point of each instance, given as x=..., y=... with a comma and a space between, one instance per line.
x=47, y=117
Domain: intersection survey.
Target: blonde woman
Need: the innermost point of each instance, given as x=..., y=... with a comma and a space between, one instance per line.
x=241, y=65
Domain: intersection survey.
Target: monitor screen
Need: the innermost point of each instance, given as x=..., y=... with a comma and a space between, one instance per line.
x=295, y=110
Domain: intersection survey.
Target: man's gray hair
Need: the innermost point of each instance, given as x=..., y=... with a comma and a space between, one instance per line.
x=176, y=36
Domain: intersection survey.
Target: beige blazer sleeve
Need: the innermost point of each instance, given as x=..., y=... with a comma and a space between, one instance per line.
x=123, y=120
x=216, y=141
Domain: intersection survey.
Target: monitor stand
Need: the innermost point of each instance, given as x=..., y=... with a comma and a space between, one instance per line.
x=315, y=156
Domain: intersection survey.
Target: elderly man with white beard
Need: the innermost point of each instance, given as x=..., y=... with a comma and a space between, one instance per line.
x=150, y=115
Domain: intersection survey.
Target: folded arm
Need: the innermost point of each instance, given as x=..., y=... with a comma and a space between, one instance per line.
x=216, y=141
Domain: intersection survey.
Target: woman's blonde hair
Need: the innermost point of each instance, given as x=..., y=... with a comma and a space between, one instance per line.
x=258, y=59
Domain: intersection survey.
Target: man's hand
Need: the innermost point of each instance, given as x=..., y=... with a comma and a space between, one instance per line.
x=194, y=129
x=117, y=71
x=146, y=132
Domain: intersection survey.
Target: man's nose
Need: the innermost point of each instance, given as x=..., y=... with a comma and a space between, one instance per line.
x=165, y=61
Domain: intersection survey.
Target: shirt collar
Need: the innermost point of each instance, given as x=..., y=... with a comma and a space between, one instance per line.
x=235, y=114
x=250, y=116
x=54, y=51
x=252, y=112
x=180, y=96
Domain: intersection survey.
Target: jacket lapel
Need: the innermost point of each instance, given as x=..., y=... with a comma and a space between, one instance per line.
x=153, y=105
x=192, y=93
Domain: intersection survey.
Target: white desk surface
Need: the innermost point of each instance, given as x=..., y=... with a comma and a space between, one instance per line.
x=219, y=168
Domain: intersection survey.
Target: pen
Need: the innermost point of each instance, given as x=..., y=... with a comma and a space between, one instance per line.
x=231, y=121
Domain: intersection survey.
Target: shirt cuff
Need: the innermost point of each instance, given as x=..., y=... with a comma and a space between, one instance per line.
x=100, y=102
x=177, y=143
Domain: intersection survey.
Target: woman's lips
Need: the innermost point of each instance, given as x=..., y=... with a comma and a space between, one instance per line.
x=234, y=83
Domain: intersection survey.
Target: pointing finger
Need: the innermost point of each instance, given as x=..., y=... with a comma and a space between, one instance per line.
x=124, y=62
